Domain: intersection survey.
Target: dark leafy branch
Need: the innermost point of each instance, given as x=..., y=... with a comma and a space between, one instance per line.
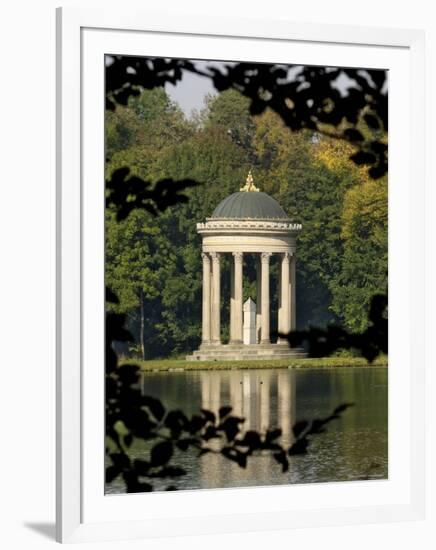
x=313, y=101
x=310, y=100
x=126, y=193
x=369, y=344
x=125, y=76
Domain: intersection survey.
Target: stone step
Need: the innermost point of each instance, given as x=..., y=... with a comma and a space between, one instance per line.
x=241, y=357
x=256, y=351
x=227, y=353
x=243, y=348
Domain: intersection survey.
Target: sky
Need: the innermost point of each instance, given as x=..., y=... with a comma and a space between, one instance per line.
x=189, y=93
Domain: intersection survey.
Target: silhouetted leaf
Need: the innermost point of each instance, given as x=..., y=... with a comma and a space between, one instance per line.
x=168, y=471
x=161, y=453
x=210, y=433
x=209, y=415
x=120, y=460
x=183, y=444
x=317, y=426
x=372, y=121
x=236, y=456
x=299, y=447
x=224, y=411
x=204, y=451
x=176, y=421
x=353, y=135
x=281, y=458
x=111, y=473
x=196, y=423
x=142, y=467
x=139, y=487
x=363, y=157
x=343, y=407
x=299, y=427
x=155, y=406
x=128, y=439
x=251, y=439
x=231, y=427
x=271, y=435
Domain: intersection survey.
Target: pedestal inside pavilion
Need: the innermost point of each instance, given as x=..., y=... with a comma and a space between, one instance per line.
x=248, y=222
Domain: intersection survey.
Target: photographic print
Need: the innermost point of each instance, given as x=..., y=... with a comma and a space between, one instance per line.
x=246, y=273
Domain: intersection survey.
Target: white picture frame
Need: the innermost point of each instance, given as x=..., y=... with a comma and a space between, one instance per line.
x=83, y=513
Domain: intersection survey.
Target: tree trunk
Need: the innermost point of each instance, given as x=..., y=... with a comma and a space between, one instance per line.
x=141, y=323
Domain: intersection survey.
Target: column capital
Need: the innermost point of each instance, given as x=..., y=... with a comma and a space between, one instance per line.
x=265, y=256
x=205, y=256
x=286, y=258
x=215, y=257
x=238, y=256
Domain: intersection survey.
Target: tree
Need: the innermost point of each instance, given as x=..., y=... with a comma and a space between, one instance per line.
x=230, y=111
x=365, y=260
x=139, y=259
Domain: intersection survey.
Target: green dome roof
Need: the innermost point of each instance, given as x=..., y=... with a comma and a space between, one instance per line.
x=243, y=205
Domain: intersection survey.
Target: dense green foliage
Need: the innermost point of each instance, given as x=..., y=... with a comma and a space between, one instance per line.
x=154, y=263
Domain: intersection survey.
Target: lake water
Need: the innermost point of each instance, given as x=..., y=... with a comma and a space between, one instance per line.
x=353, y=448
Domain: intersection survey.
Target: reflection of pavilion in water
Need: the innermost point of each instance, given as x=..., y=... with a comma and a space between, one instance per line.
x=265, y=399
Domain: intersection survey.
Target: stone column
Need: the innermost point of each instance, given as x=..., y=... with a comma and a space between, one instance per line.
x=285, y=301
x=232, y=302
x=258, y=298
x=236, y=300
x=292, y=293
x=205, y=336
x=216, y=296
x=265, y=338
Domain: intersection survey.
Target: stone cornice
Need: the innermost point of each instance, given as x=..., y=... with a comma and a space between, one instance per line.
x=212, y=225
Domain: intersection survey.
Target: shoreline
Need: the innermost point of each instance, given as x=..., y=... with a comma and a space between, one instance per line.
x=181, y=365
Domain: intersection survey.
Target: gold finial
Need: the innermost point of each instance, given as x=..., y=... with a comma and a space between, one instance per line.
x=249, y=184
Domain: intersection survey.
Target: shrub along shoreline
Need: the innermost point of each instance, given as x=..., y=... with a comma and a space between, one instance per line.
x=175, y=365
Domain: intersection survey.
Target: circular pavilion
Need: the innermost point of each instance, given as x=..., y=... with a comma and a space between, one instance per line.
x=248, y=222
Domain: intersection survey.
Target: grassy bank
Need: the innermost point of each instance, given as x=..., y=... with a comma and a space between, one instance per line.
x=326, y=362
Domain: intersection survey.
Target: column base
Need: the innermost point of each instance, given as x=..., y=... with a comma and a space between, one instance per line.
x=268, y=341
x=283, y=342
x=234, y=342
x=206, y=342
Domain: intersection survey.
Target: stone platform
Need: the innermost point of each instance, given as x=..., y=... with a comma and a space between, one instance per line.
x=242, y=352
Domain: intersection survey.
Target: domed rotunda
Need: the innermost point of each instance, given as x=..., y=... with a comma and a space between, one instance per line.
x=247, y=222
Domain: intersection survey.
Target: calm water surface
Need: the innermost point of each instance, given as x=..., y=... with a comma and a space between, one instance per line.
x=354, y=447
